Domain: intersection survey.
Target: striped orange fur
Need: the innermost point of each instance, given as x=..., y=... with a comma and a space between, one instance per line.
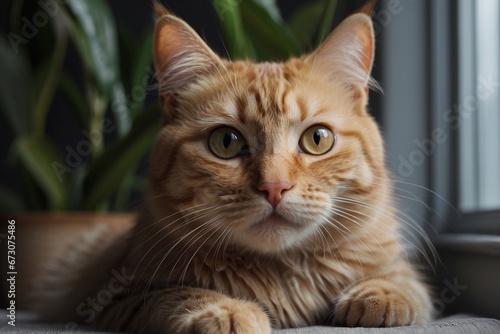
x=275, y=236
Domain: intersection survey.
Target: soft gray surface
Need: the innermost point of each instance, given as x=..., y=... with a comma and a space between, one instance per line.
x=451, y=325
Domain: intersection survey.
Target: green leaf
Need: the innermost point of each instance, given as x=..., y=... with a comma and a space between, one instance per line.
x=76, y=187
x=47, y=76
x=326, y=21
x=137, y=69
x=144, y=59
x=272, y=39
x=97, y=105
x=94, y=32
x=120, y=109
x=95, y=36
x=125, y=191
x=38, y=157
x=74, y=98
x=237, y=44
x=271, y=7
x=305, y=20
x=15, y=89
x=108, y=171
x=127, y=50
x=141, y=73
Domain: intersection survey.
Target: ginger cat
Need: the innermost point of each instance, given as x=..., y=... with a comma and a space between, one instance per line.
x=269, y=203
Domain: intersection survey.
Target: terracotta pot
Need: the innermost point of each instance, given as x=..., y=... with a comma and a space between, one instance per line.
x=40, y=237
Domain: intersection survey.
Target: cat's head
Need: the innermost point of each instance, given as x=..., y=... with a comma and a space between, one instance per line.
x=262, y=155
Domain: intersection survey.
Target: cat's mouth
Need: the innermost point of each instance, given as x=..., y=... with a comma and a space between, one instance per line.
x=273, y=232
x=275, y=220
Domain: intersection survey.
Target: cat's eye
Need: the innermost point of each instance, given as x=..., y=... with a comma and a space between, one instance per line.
x=227, y=143
x=317, y=140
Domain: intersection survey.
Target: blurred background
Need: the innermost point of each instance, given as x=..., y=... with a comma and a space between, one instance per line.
x=79, y=112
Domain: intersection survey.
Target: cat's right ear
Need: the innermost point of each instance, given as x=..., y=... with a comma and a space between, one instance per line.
x=181, y=57
x=347, y=55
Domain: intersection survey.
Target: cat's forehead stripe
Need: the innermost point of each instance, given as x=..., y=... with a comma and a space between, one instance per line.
x=241, y=107
x=271, y=91
x=258, y=100
x=284, y=95
x=266, y=93
x=270, y=68
x=301, y=104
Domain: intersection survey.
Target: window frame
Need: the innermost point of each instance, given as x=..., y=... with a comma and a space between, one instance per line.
x=444, y=92
x=418, y=51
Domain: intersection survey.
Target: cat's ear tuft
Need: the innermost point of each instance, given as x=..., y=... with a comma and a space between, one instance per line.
x=347, y=54
x=181, y=57
x=368, y=7
x=160, y=10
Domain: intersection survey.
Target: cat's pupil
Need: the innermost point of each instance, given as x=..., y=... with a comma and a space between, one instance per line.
x=226, y=141
x=317, y=136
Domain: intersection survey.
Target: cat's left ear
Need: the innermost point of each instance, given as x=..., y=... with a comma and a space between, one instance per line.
x=347, y=54
x=181, y=57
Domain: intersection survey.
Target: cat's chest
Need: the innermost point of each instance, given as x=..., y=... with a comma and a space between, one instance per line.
x=295, y=293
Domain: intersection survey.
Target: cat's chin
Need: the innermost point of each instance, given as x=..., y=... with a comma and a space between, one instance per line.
x=272, y=234
x=273, y=222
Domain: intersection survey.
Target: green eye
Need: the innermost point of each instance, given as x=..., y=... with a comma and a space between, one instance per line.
x=227, y=143
x=317, y=140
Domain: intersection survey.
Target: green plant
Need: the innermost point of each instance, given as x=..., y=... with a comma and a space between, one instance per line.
x=31, y=63
x=255, y=29
x=32, y=73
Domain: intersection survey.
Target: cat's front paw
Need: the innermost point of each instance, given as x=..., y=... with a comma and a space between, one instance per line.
x=229, y=317
x=375, y=305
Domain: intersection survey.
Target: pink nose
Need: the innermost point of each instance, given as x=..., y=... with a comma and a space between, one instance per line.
x=275, y=191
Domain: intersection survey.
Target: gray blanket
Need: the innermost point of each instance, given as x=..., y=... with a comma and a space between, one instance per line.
x=457, y=324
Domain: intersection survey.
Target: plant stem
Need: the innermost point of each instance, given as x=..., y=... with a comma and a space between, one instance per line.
x=96, y=105
x=326, y=20
x=230, y=19
x=50, y=81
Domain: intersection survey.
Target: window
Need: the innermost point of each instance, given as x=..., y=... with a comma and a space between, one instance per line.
x=479, y=93
x=440, y=71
